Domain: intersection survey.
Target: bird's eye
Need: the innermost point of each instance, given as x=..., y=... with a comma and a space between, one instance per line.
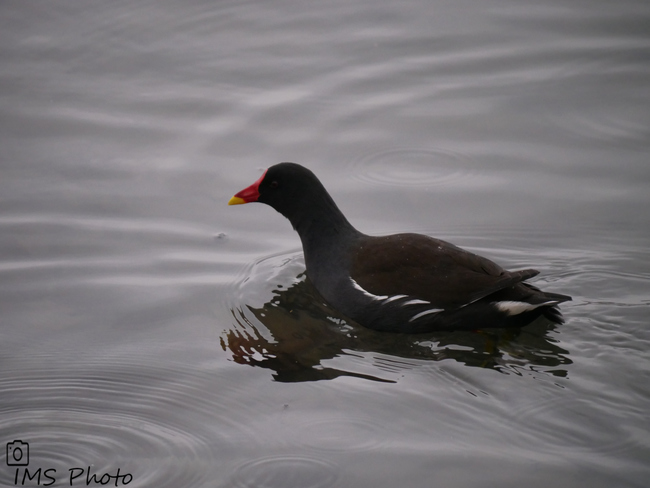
x=273, y=184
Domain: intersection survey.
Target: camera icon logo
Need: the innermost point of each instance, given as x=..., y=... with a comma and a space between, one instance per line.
x=17, y=453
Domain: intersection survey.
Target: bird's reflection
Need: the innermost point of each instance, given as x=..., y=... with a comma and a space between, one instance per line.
x=295, y=332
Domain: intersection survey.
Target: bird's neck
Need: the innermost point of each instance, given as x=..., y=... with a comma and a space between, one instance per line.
x=324, y=231
x=323, y=225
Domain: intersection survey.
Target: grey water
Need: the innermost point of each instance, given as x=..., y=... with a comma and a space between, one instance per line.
x=150, y=335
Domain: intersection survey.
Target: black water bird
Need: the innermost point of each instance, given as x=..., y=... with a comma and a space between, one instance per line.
x=400, y=283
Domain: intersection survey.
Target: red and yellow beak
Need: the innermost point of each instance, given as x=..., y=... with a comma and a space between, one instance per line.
x=249, y=194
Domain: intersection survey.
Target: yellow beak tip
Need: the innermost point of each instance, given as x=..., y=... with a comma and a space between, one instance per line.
x=236, y=201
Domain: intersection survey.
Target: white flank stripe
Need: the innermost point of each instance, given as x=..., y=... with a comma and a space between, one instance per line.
x=394, y=297
x=515, y=308
x=416, y=302
x=367, y=293
x=426, y=312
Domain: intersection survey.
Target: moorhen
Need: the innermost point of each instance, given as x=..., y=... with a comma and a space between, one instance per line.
x=403, y=282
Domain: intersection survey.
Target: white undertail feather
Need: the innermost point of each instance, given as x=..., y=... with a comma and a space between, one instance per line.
x=515, y=308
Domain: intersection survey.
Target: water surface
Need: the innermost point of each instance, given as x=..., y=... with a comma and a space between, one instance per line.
x=149, y=328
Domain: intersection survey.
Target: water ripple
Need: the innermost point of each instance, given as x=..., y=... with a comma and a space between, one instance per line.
x=158, y=424
x=605, y=125
x=107, y=441
x=339, y=433
x=285, y=471
x=574, y=423
x=419, y=167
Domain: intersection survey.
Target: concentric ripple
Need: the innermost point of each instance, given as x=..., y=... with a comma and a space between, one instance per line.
x=344, y=434
x=160, y=426
x=287, y=472
x=256, y=283
x=71, y=442
x=419, y=167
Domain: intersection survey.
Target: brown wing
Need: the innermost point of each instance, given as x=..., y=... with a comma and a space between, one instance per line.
x=429, y=269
